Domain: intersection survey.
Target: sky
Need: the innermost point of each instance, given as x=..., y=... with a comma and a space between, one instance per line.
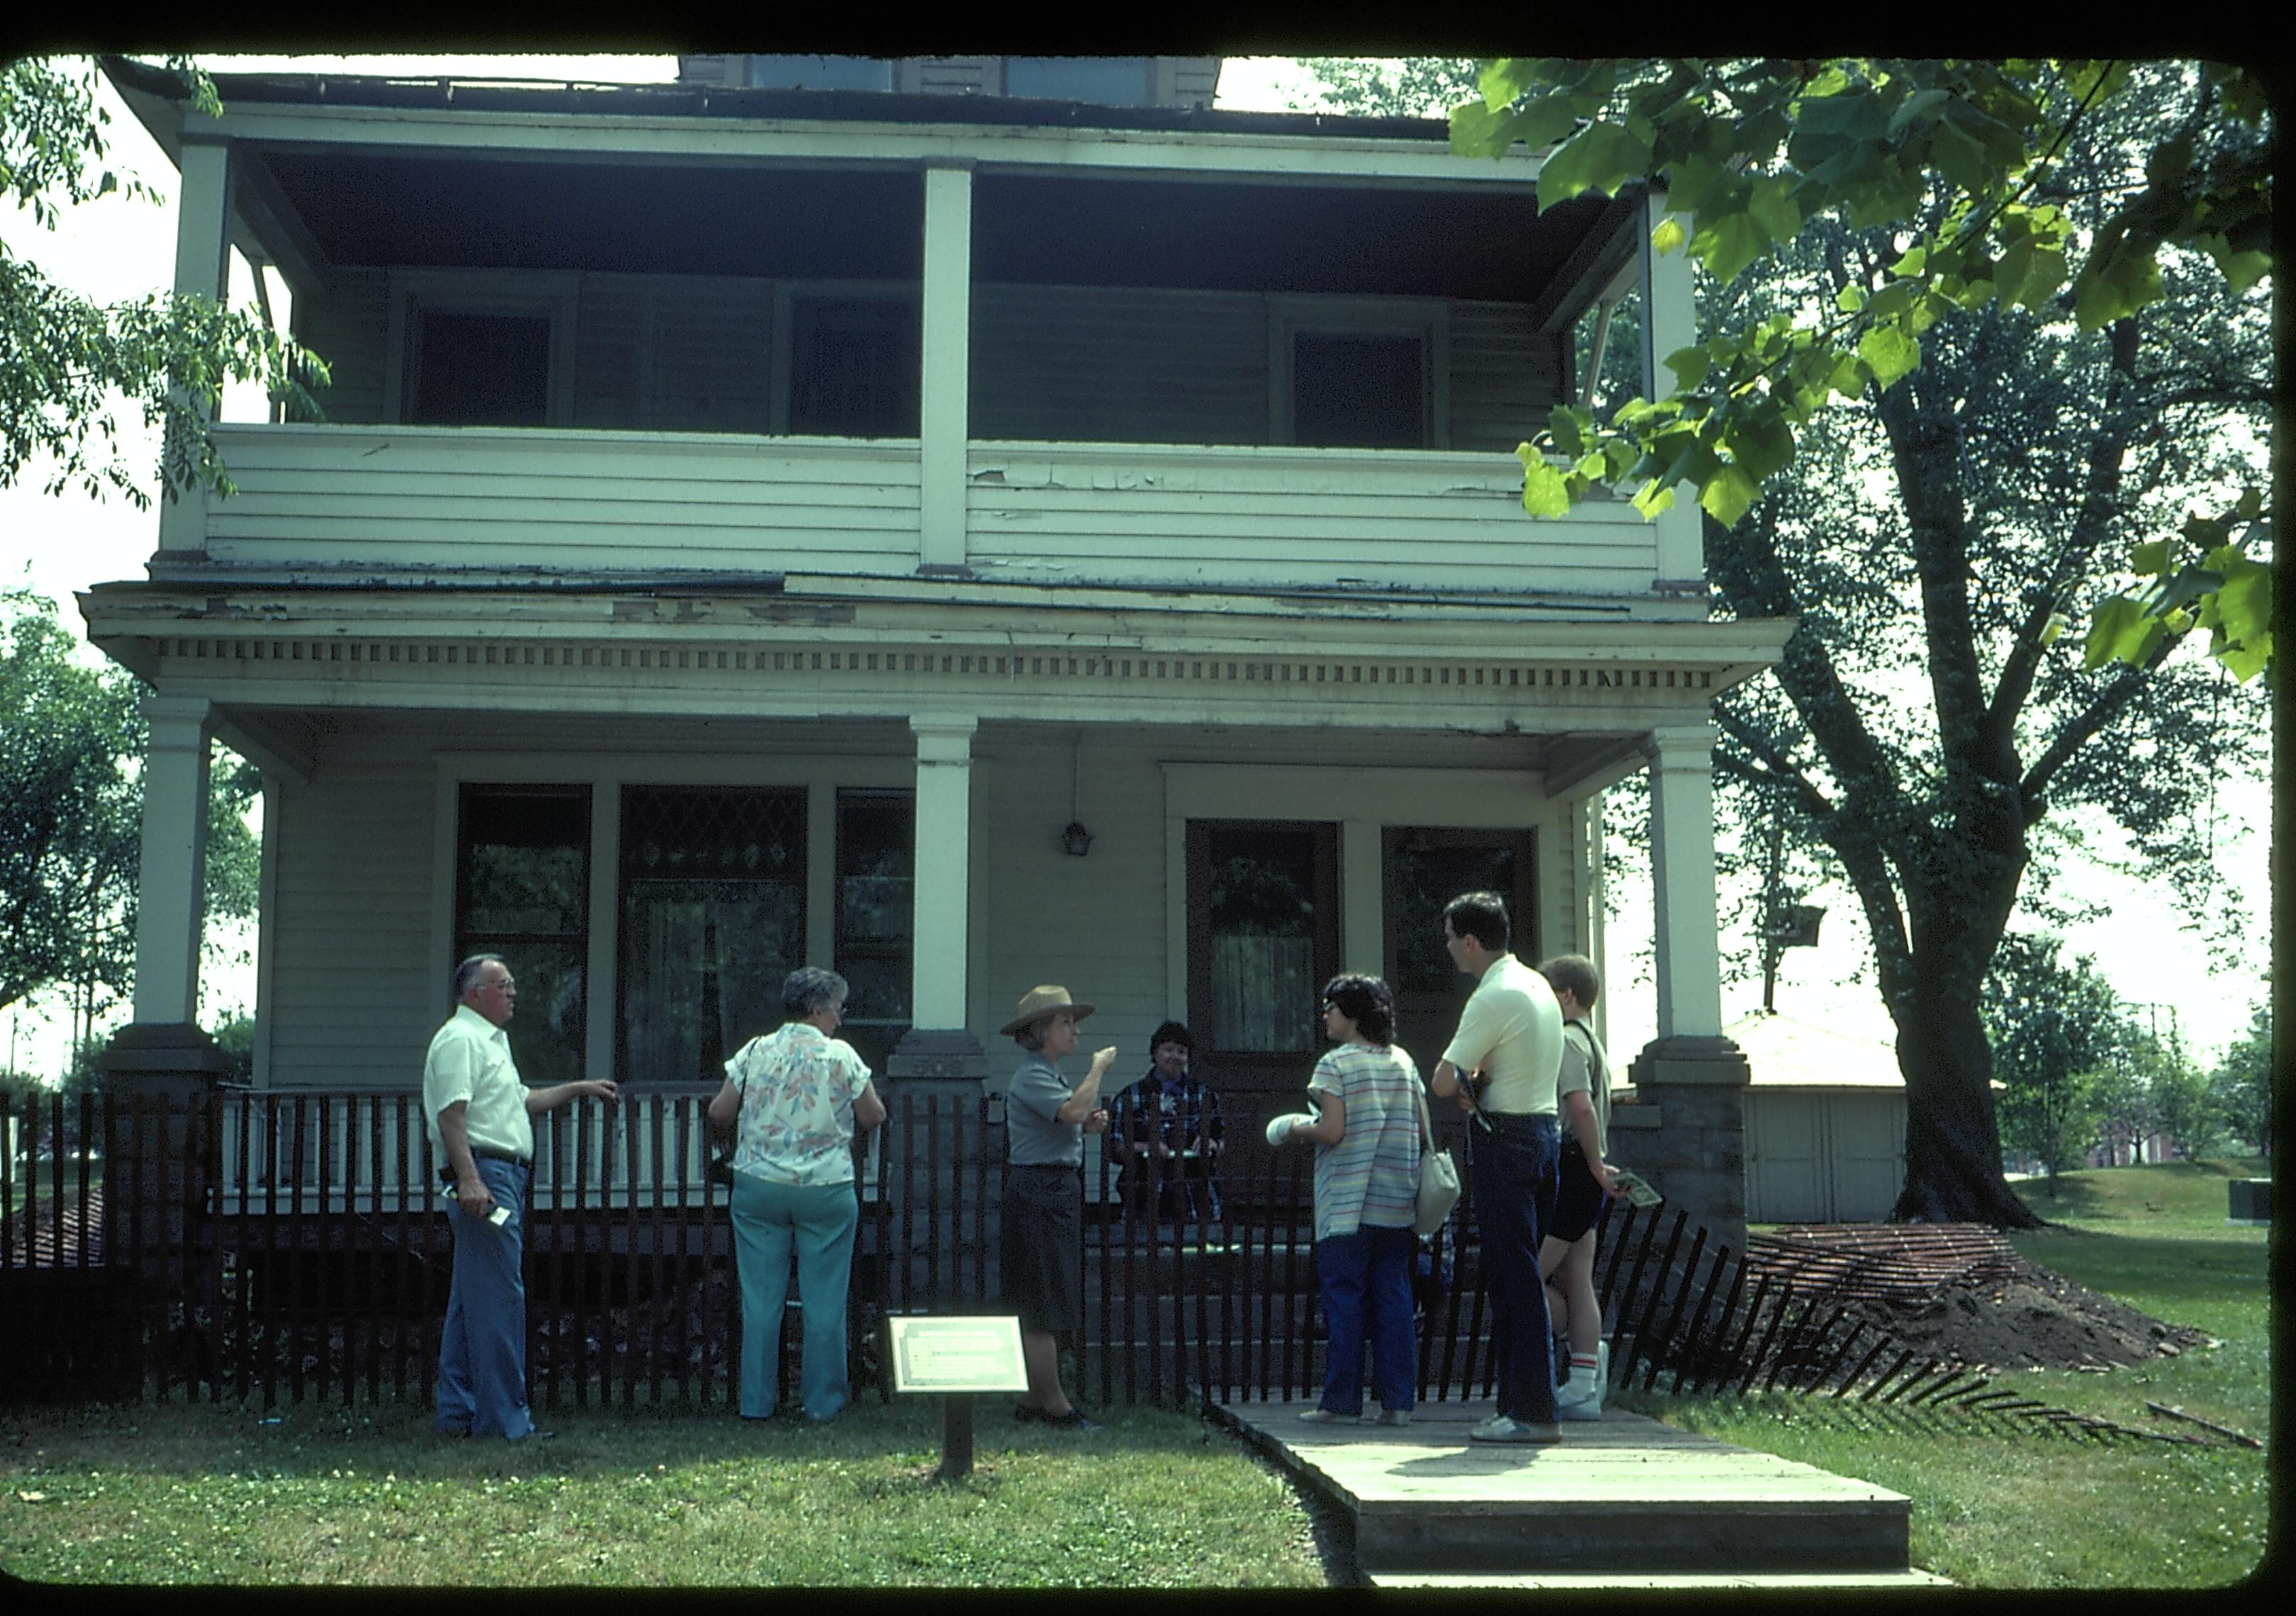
x=114, y=249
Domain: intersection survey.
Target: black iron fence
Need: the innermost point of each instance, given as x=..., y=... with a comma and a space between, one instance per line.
x=293, y=1245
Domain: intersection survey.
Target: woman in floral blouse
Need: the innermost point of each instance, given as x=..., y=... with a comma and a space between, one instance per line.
x=798, y=1094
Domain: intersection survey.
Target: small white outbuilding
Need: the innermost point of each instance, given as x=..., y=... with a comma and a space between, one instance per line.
x=1826, y=1122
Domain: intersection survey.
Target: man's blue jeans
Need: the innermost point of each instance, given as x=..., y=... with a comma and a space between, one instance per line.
x=1515, y=1165
x=817, y=1221
x=482, y=1350
x=1366, y=1284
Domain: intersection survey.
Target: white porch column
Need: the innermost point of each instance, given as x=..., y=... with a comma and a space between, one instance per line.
x=1685, y=1132
x=202, y=266
x=169, y=888
x=937, y=1044
x=944, y=854
x=1682, y=868
x=943, y=425
x=1670, y=323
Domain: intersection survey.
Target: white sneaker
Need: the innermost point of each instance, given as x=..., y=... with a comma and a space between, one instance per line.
x=1323, y=1416
x=1578, y=1402
x=1388, y=1417
x=1499, y=1428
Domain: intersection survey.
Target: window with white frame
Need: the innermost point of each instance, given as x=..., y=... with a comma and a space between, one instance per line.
x=1100, y=81
x=1359, y=373
x=479, y=347
x=851, y=359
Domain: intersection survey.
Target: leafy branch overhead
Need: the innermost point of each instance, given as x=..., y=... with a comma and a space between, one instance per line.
x=67, y=362
x=1961, y=160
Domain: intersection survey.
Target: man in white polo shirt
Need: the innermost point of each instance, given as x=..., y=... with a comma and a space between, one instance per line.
x=1510, y=1045
x=480, y=1113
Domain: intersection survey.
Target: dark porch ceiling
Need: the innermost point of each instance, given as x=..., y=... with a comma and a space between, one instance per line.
x=364, y=207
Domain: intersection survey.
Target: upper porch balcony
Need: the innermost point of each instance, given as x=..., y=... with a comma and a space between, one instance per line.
x=766, y=332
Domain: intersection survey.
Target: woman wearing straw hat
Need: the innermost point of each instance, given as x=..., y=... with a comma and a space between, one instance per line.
x=1042, y=1246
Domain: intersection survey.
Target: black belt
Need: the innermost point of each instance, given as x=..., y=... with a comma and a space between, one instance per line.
x=479, y=1152
x=1513, y=1119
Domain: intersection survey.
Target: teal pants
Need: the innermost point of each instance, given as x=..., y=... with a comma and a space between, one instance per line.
x=816, y=1222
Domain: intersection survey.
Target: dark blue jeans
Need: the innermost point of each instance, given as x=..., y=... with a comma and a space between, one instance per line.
x=1514, y=1166
x=482, y=1346
x=1366, y=1284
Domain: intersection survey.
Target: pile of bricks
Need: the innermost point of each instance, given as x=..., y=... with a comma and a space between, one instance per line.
x=1883, y=1261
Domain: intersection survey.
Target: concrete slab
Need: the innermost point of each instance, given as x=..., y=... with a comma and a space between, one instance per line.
x=1590, y=1581
x=1623, y=1494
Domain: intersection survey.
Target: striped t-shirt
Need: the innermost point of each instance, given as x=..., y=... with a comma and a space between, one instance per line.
x=1370, y=1179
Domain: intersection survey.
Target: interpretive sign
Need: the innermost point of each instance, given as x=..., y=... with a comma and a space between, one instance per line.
x=956, y=1355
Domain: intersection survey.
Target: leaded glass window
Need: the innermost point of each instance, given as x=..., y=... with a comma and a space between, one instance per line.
x=713, y=918
x=523, y=890
x=876, y=910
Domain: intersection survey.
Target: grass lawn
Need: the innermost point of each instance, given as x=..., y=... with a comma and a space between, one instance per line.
x=1999, y=1510
x=364, y=1497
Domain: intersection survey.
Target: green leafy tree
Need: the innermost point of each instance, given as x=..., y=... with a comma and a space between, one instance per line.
x=2124, y=1115
x=2178, y=1093
x=69, y=810
x=1961, y=165
x=1966, y=468
x=71, y=819
x=2240, y=1089
x=2052, y=1027
x=67, y=362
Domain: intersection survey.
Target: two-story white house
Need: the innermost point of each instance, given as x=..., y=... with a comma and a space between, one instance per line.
x=969, y=522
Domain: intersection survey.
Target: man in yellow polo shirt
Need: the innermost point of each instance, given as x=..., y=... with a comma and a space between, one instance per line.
x=479, y=1112
x=1510, y=1045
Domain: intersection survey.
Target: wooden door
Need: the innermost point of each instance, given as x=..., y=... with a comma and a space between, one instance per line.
x=1426, y=869
x=1263, y=939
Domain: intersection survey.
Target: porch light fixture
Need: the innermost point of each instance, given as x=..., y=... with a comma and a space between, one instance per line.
x=1076, y=841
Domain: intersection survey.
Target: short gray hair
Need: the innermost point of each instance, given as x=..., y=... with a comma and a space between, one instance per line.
x=809, y=988
x=466, y=974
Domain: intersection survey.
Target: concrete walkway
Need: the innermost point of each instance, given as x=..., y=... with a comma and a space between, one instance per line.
x=1621, y=1501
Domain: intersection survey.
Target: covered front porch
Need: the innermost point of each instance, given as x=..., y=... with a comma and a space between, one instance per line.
x=655, y=805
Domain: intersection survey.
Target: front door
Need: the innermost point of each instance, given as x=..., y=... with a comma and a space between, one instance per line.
x=1263, y=939
x=1426, y=869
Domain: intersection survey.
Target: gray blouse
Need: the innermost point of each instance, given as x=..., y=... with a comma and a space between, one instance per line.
x=1033, y=1136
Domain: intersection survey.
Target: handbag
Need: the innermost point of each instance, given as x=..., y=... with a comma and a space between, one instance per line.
x=1438, y=1179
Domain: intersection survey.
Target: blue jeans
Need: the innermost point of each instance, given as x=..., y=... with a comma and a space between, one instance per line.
x=1366, y=1284
x=482, y=1350
x=817, y=1221
x=1515, y=1171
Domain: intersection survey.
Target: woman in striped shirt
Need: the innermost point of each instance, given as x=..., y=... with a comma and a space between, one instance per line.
x=1365, y=1129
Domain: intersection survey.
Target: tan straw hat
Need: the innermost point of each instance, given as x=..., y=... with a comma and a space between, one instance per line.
x=1040, y=1002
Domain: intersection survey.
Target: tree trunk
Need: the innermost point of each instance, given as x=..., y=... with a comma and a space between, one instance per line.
x=1953, y=1145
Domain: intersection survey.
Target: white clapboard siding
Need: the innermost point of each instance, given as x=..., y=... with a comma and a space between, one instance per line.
x=572, y=499
x=351, y=925
x=1119, y=365
x=1095, y=924
x=1504, y=376
x=674, y=353
x=346, y=324
x=1225, y=516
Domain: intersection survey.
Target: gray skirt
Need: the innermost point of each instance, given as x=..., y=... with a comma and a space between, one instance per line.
x=1040, y=1247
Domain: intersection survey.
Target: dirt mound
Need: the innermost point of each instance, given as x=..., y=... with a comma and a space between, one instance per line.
x=2029, y=1318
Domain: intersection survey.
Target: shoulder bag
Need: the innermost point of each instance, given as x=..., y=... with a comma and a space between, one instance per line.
x=1439, y=1178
